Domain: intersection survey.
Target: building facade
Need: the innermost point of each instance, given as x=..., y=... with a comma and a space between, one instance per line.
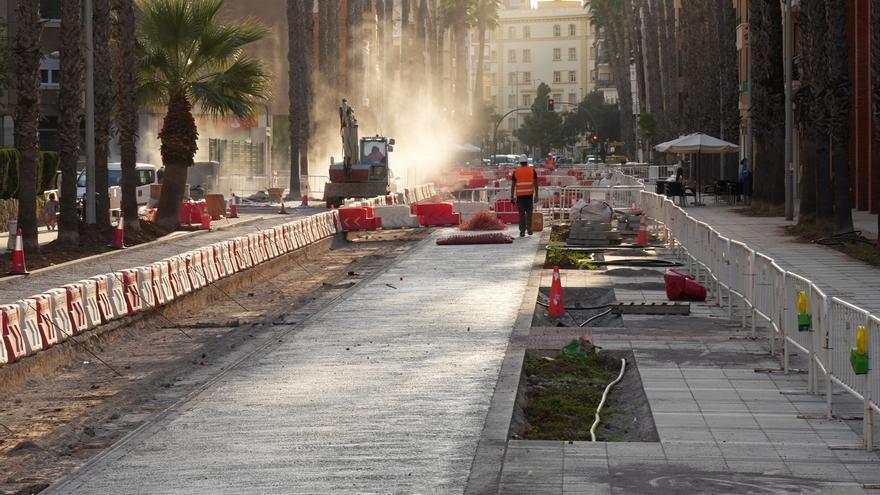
x=551, y=43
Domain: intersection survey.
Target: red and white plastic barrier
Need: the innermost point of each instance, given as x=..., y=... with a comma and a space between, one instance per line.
x=75, y=309
x=42, y=313
x=90, y=303
x=13, y=340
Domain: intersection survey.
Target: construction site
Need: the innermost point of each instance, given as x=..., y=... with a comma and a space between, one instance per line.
x=410, y=342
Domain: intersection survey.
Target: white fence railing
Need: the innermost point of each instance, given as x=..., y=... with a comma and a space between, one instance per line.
x=759, y=289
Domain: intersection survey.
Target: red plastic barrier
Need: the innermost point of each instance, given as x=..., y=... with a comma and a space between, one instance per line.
x=13, y=340
x=75, y=309
x=352, y=219
x=42, y=304
x=682, y=287
x=504, y=206
x=477, y=182
x=191, y=212
x=436, y=214
x=102, y=292
x=131, y=283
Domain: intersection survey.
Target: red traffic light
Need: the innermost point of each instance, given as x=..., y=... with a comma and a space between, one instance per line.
x=551, y=105
x=595, y=137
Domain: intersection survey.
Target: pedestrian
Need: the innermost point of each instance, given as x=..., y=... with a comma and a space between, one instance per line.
x=51, y=211
x=524, y=192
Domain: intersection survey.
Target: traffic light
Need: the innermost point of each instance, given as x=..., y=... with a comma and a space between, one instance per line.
x=595, y=138
x=551, y=105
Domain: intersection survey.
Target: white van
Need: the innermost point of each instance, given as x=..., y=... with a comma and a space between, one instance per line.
x=146, y=176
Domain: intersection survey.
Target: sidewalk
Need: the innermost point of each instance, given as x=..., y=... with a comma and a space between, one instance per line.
x=43, y=236
x=835, y=273
x=13, y=289
x=384, y=392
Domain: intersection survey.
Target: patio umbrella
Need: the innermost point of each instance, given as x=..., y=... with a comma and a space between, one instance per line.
x=700, y=144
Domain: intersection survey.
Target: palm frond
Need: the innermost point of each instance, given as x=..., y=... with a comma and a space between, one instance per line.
x=236, y=90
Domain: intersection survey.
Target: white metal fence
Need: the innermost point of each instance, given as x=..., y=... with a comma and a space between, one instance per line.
x=757, y=287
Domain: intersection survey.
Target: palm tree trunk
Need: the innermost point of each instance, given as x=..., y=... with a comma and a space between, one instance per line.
x=839, y=101
x=307, y=71
x=70, y=108
x=875, y=69
x=328, y=30
x=420, y=51
x=125, y=72
x=27, y=115
x=459, y=33
x=478, y=80
x=768, y=117
x=103, y=107
x=179, y=137
x=296, y=41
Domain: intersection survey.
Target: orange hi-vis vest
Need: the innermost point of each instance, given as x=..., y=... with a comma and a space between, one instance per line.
x=525, y=181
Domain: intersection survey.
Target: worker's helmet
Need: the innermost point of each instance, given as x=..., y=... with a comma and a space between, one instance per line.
x=523, y=159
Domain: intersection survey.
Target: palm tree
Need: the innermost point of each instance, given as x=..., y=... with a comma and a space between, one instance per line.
x=839, y=104
x=126, y=77
x=812, y=63
x=70, y=108
x=767, y=97
x=215, y=74
x=456, y=16
x=103, y=106
x=484, y=15
x=875, y=67
x=328, y=32
x=300, y=30
x=27, y=114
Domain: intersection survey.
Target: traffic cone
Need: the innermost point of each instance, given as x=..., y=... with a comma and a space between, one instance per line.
x=233, y=207
x=305, y=201
x=18, y=267
x=283, y=210
x=556, y=309
x=118, y=236
x=206, y=221
x=643, y=232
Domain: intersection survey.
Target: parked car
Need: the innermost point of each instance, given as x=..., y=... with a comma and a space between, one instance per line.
x=147, y=175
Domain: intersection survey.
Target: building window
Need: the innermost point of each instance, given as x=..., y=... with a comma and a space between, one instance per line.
x=557, y=54
x=527, y=55
x=527, y=78
x=511, y=123
x=50, y=9
x=572, y=76
x=50, y=73
x=527, y=31
x=511, y=101
x=557, y=76
x=557, y=30
x=48, y=133
x=572, y=30
x=557, y=97
x=511, y=33
x=526, y=100
x=572, y=54
x=511, y=56
x=511, y=78
x=572, y=98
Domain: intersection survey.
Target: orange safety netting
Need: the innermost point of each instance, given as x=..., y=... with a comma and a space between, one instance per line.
x=483, y=221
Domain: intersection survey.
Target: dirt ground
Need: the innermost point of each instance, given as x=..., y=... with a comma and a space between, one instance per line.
x=52, y=425
x=92, y=240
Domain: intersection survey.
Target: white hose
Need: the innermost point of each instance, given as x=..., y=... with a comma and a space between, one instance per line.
x=605, y=396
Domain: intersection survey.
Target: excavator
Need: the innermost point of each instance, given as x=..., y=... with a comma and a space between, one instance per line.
x=363, y=172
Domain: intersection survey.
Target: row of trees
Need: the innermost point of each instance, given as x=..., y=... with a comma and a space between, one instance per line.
x=354, y=58
x=138, y=47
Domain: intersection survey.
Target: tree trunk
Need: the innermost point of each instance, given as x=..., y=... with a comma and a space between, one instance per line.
x=328, y=29
x=670, y=69
x=839, y=105
x=459, y=32
x=307, y=69
x=70, y=108
x=125, y=72
x=768, y=96
x=875, y=69
x=420, y=51
x=27, y=115
x=406, y=37
x=103, y=107
x=296, y=40
x=809, y=162
x=179, y=137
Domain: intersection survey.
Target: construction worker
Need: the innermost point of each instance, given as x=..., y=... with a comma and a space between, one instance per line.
x=524, y=192
x=550, y=164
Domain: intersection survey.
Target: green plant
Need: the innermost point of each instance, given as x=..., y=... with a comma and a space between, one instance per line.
x=557, y=255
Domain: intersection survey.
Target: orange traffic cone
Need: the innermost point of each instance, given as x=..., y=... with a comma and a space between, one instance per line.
x=233, y=207
x=283, y=210
x=305, y=201
x=643, y=232
x=556, y=309
x=206, y=221
x=18, y=267
x=118, y=236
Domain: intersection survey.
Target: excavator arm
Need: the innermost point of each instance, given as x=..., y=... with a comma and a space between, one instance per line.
x=349, y=130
